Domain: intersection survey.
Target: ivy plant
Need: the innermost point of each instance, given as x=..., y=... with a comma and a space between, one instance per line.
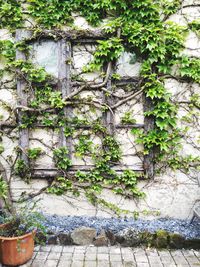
x=140, y=27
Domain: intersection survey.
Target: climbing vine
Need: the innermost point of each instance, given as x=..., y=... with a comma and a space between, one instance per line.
x=140, y=27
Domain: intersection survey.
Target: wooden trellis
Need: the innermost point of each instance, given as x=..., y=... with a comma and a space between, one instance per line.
x=65, y=42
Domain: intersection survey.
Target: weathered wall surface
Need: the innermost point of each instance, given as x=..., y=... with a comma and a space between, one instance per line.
x=172, y=194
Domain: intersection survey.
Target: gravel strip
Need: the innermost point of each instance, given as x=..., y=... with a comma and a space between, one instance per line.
x=57, y=224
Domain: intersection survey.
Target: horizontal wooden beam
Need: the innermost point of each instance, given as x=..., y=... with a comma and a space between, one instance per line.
x=51, y=173
x=118, y=126
x=70, y=34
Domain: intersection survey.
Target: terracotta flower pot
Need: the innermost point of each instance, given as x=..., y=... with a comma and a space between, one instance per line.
x=16, y=250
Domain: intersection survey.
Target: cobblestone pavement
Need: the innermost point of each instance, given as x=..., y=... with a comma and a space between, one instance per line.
x=90, y=256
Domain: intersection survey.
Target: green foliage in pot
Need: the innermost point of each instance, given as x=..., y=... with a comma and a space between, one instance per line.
x=27, y=219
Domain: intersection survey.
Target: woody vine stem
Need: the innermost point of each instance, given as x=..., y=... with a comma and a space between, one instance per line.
x=140, y=27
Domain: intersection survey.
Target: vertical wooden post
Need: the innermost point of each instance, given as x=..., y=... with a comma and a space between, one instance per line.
x=22, y=98
x=148, y=162
x=64, y=84
x=109, y=118
x=109, y=114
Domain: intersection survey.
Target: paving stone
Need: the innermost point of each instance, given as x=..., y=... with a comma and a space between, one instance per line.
x=151, y=252
x=187, y=252
x=56, y=248
x=80, y=248
x=90, y=256
x=103, y=250
x=115, y=250
x=64, y=264
x=193, y=262
x=129, y=264
x=128, y=257
x=103, y=263
x=176, y=253
x=143, y=264
x=68, y=249
x=78, y=256
x=91, y=250
x=191, y=258
x=164, y=253
x=115, y=257
x=140, y=253
x=180, y=260
x=90, y=264
x=51, y=263
x=101, y=257
x=126, y=250
x=54, y=256
x=141, y=257
x=197, y=253
x=167, y=260
x=138, y=250
x=77, y=264
x=190, y=253
x=155, y=261
x=46, y=248
x=38, y=263
x=41, y=255
x=116, y=264
x=66, y=256
x=166, y=257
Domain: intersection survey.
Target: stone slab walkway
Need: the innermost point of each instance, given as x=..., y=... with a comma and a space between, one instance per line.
x=90, y=256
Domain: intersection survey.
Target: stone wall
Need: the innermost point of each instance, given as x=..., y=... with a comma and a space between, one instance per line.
x=172, y=194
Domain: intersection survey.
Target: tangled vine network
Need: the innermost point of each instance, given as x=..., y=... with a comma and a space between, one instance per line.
x=142, y=28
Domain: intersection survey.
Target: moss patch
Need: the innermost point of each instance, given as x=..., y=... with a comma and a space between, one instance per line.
x=176, y=240
x=162, y=238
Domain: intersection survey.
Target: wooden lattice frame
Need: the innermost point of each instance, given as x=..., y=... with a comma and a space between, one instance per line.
x=64, y=83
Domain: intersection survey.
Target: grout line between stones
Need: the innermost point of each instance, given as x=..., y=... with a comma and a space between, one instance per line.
x=172, y=257
x=134, y=257
x=160, y=257
x=185, y=258
x=84, y=255
x=198, y=258
x=48, y=256
x=72, y=256
x=147, y=257
x=145, y=251
x=33, y=258
x=109, y=258
x=60, y=256
x=121, y=256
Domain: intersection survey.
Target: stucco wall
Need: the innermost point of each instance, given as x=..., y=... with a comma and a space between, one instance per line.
x=172, y=194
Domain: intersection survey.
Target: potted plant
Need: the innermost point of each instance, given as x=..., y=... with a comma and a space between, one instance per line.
x=17, y=230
